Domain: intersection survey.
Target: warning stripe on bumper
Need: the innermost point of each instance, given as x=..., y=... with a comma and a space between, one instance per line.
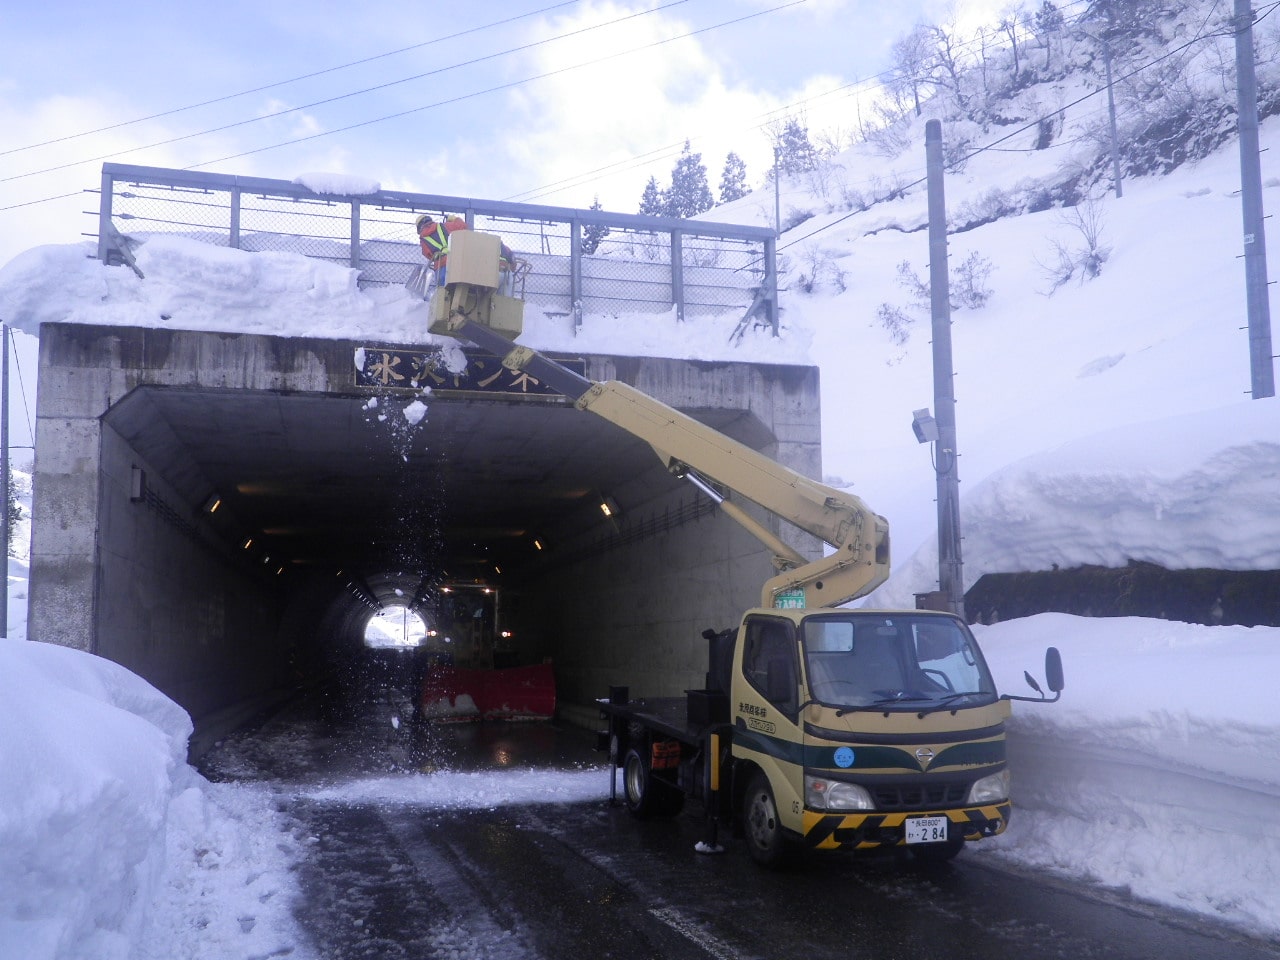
x=830, y=831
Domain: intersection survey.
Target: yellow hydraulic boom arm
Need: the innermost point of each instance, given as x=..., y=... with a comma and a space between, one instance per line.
x=859, y=561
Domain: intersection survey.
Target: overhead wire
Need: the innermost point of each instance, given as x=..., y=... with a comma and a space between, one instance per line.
x=765, y=118
x=22, y=388
x=531, y=193
x=1200, y=37
x=502, y=86
x=280, y=83
x=344, y=96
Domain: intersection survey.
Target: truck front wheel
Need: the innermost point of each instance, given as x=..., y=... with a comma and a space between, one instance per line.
x=645, y=795
x=765, y=839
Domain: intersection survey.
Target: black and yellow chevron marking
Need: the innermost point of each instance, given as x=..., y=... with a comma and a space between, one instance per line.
x=862, y=831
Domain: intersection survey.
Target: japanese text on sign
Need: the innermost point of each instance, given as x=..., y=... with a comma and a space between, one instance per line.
x=410, y=370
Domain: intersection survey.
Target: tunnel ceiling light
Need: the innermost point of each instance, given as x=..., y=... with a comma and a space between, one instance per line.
x=266, y=559
x=609, y=507
x=213, y=503
x=248, y=542
x=537, y=544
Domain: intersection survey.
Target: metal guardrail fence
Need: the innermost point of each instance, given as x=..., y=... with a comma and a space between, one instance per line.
x=582, y=262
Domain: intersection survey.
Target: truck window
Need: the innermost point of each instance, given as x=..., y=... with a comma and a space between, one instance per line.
x=769, y=646
x=945, y=657
x=862, y=659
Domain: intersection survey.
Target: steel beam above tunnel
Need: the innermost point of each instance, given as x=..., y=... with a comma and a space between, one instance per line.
x=328, y=478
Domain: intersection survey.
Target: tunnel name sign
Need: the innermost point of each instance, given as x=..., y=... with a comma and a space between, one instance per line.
x=413, y=370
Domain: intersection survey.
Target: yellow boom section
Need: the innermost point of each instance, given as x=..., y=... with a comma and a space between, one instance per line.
x=859, y=561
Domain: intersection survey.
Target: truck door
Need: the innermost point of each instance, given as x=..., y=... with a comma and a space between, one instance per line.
x=767, y=710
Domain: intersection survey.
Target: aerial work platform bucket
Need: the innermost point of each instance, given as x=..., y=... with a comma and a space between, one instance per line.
x=470, y=290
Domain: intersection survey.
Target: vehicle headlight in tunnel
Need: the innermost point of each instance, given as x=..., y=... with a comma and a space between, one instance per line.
x=990, y=789
x=823, y=794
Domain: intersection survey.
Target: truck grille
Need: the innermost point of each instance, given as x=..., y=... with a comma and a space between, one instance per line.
x=921, y=796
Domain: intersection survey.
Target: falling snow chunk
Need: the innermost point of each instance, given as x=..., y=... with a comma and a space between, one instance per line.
x=338, y=184
x=415, y=411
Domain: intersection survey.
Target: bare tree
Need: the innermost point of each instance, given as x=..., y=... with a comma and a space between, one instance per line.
x=1012, y=23
x=947, y=68
x=912, y=58
x=1083, y=259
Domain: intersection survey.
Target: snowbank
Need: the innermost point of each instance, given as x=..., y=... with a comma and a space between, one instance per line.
x=191, y=285
x=1158, y=773
x=1184, y=492
x=101, y=819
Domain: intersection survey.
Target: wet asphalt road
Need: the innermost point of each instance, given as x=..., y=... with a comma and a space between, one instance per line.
x=584, y=880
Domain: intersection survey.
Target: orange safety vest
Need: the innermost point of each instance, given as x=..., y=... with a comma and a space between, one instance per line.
x=434, y=241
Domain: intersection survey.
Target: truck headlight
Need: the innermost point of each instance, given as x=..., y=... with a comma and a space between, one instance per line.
x=990, y=789
x=823, y=794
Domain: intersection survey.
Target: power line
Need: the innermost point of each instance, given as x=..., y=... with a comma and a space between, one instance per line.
x=26, y=407
x=960, y=161
x=344, y=96
x=281, y=83
x=501, y=86
x=777, y=112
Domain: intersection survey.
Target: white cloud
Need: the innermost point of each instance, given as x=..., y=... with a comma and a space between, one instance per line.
x=617, y=113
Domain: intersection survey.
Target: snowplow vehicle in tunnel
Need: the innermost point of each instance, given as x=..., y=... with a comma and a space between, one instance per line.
x=819, y=726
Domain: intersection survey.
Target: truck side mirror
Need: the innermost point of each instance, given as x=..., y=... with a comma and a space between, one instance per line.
x=1052, y=677
x=1053, y=669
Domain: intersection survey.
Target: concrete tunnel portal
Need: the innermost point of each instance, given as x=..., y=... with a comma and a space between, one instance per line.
x=339, y=492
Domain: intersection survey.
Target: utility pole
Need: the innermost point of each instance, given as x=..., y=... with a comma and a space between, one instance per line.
x=950, y=573
x=1262, y=373
x=4, y=476
x=777, y=191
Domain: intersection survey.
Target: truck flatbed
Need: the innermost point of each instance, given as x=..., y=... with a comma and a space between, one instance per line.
x=669, y=716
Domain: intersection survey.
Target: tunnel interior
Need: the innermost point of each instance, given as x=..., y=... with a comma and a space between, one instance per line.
x=313, y=512
x=223, y=513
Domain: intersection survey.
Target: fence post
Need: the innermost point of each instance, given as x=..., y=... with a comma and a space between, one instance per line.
x=105, y=200
x=355, y=234
x=771, y=282
x=677, y=273
x=575, y=272
x=235, y=218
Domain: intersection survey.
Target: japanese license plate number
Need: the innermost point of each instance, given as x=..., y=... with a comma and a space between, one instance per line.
x=926, y=829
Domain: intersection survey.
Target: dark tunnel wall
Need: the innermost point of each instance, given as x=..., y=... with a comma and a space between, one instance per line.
x=173, y=602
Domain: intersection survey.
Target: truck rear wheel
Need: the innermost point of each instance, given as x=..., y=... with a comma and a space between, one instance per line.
x=765, y=839
x=646, y=795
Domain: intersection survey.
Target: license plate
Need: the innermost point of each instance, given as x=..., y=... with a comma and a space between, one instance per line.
x=926, y=829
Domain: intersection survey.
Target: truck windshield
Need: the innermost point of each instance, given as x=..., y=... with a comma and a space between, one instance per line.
x=878, y=661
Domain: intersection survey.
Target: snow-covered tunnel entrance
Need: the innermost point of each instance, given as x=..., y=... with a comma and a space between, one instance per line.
x=224, y=513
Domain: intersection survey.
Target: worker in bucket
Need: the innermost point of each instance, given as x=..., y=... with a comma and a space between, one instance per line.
x=433, y=236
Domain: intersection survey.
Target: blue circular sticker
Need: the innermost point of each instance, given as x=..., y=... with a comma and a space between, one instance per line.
x=844, y=757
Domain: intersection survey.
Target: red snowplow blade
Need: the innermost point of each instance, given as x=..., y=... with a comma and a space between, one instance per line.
x=514, y=693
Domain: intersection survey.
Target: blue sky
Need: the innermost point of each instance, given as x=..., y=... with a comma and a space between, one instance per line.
x=586, y=108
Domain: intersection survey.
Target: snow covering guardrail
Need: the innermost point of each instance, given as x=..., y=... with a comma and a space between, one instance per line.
x=581, y=261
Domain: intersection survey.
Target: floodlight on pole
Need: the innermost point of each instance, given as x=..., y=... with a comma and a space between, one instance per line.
x=925, y=427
